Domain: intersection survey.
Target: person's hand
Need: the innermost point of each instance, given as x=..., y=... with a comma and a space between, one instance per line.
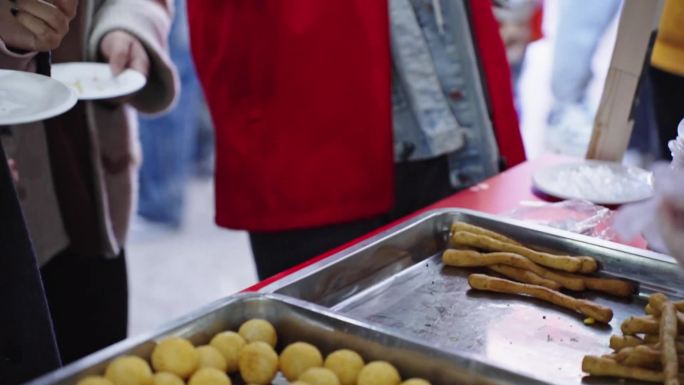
x=35, y=25
x=122, y=51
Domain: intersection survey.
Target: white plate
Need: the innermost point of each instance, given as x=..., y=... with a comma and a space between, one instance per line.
x=27, y=97
x=94, y=81
x=606, y=183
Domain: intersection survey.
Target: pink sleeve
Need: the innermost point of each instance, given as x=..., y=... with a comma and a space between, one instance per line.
x=14, y=61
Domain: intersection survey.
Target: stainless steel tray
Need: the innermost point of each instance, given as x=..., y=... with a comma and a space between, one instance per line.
x=299, y=321
x=396, y=280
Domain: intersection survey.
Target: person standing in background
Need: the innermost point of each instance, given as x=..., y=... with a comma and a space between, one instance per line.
x=667, y=73
x=27, y=341
x=519, y=25
x=77, y=172
x=171, y=142
x=326, y=131
x=580, y=28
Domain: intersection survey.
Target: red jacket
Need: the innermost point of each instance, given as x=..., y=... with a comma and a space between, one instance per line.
x=300, y=97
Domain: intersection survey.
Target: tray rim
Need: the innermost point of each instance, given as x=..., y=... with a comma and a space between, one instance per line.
x=168, y=328
x=288, y=280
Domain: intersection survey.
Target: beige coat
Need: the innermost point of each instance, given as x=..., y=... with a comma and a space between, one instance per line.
x=115, y=149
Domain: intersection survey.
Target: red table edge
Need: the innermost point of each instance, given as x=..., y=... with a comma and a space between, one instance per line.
x=523, y=170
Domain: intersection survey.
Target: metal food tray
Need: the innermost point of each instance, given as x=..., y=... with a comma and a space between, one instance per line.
x=294, y=321
x=396, y=280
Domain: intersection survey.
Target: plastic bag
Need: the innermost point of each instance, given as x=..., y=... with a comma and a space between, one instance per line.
x=645, y=218
x=659, y=219
x=577, y=216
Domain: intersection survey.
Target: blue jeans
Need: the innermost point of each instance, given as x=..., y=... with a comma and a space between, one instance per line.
x=169, y=142
x=580, y=28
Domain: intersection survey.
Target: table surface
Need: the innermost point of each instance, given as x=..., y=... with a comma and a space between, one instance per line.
x=499, y=194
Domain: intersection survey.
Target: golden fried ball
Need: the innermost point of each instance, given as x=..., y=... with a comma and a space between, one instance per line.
x=416, y=381
x=319, y=376
x=210, y=357
x=94, y=380
x=129, y=370
x=296, y=358
x=229, y=344
x=209, y=376
x=258, y=363
x=259, y=330
x=379, y=373
x=175, y=355
x=346, y=364
x=164, y=378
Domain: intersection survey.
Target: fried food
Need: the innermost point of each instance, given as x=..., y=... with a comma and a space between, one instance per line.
x=416, y=381
x=259, y=330
x=129, y=370
x=346, y=364
x=525, y=276
x=616, y=287
x=639, y=356
x=229, y=344
x=258, y=363
x=296, y=358
x=467, y=258
x=636, y=325
x=210, y=357
x=462, y=226
x=164, y=378
x=599, y=366
x=319, y=376
x=175, y=355
x=558, y=262
x=645, y=356
x=620, y=342
x=379, y=373
x=655, y=338
x=94, y=380
x=209, y=376
x=588, y=308
x=656, y=301
x=668, y=334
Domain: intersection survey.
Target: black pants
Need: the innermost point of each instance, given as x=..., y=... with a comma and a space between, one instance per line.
x=88, y=301
x=27, y=343
x=668, y=104
x=417, y=184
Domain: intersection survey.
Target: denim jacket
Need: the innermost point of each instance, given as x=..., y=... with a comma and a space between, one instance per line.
x=438, y=99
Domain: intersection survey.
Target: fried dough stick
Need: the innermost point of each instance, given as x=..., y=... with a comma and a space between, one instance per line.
x=635, y=325
x=599, y=366
x=668, y=335
x=679, y=305
x=639, y=356
x=468, y=258
x=558, y=262
x=618, y=343
x=462, y=226
x=643, y=356
x=588, y=308
x=653, y=339
x=525, y=276
x=616, y=287
x=656, y=301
